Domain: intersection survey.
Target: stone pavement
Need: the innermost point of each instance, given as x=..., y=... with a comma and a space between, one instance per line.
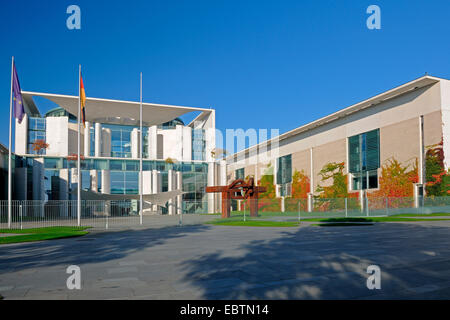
x=218, y=262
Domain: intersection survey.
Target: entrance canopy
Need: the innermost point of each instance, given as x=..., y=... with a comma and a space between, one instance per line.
x=115, y=111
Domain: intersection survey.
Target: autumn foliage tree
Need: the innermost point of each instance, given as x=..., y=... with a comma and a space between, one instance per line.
x=396, y=180
x=39, y=146
x=300, y=185
x=438, y=179
x=333, y=175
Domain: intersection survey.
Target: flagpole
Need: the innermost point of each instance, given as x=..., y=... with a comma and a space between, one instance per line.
x=78, y=158
x=10, y=145
x=141, y=204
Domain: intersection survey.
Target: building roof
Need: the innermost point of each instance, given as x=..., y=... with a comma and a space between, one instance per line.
x=114, y=111
x=402, y=89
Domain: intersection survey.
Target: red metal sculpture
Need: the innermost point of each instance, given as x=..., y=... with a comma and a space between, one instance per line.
x=239, y=190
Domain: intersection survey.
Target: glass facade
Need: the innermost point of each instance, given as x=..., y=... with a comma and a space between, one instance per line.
x=120, y=140
x=124, y=177
x=240, y=173
x=36, y=131
x=198, y=144
x=364, y=159
x=284, y=174
x=92, y=141
x=124, y=182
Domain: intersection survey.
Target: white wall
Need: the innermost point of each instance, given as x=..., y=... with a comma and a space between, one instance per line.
x=57, y=136
x=21, y=136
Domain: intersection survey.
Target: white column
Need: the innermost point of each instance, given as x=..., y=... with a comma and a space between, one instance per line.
x=21, y=136
x=64, y=190
x=106, y=181
x=106, y=142
x=179, y=178
x=87, y=139
x=187, y=144
x=135, y=143
x=152, y=142
x=171, y=187
x=211, y=175
x=311, y=182
x=98, y=139
x=311, y=188
x=147, y=189
x=155, y=187
x=94, y=180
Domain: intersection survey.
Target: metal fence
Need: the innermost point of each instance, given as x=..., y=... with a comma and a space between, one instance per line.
x=97, y=214
x=295, y=209
x=126, y=213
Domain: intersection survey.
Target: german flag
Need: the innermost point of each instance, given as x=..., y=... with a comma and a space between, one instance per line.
x=82, y=101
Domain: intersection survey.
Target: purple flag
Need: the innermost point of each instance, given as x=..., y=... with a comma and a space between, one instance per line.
x=19, y=111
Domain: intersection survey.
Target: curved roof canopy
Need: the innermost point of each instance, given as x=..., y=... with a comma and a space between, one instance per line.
x=116, y=111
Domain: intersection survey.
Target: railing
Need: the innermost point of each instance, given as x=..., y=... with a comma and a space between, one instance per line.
x=96, y=213
x=126, y=213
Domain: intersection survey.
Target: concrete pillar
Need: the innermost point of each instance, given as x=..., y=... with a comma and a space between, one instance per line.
x=362, y=198
x=106, y=142
x=211, y=183
x=94, y=180
x=21, y=136
x=311, y=180
x=147, y=189
x=282, y=205
x=179, y=178
x=418, y=195
x=106, y=188
x=310, y=202
x=98, y=139
x=87, y=139
x=64, y=191
x=155, y=187
x=106, y=181
x=135, y=143
x=171, y=186
x=187, y=143
x=152, y=142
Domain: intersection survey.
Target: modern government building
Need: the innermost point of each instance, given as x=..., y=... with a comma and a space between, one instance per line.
x=398, y=123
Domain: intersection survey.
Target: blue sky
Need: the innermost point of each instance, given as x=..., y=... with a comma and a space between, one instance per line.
x=260, y=64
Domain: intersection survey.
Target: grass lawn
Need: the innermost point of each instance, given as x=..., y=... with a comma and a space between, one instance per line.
x=253, y=223
x=38, y=234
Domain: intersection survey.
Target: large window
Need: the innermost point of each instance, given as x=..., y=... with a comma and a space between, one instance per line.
x=240, y=173
x=120, y=140
x=284, y=174
x=198, y=144
x=124, y=182
x=364, y=159
x=36, y=131
x=284, y=169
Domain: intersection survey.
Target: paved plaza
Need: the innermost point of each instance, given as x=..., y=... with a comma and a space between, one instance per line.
x=219, y=262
